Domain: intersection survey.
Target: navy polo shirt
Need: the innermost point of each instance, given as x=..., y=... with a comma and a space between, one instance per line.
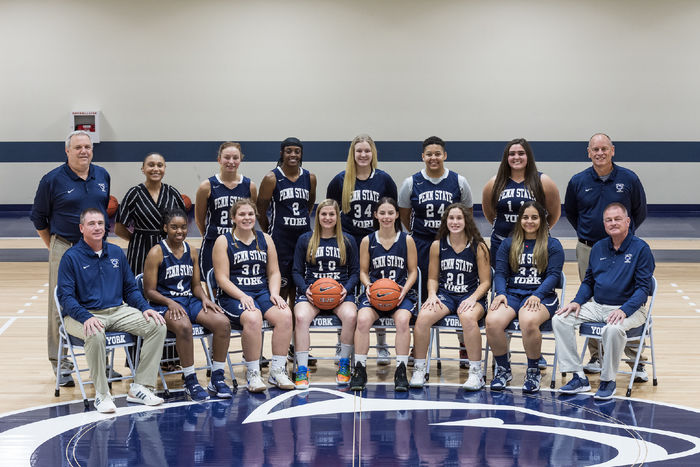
x=618, y=277
x=62, y=195
x=587, y=196
x=90, y=282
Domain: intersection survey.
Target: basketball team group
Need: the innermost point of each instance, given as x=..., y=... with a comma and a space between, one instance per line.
x=413, y=255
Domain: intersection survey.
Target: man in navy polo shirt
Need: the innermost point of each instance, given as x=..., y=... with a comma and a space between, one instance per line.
x=587, y=194
x=94, y=281
x=618, y=279
x=61, y=196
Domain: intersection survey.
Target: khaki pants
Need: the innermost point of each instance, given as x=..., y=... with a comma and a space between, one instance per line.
x=614, y=337
x=57, y=247
x=583, y=254
x=121, y=319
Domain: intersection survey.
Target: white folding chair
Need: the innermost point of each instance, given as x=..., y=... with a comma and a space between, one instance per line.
x=198, y=332
x=75, y=347
x=450, y=324
x=637, y=335
x=387, y=325
x=236, y=331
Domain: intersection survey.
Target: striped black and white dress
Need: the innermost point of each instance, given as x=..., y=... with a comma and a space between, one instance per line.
x=137, y=209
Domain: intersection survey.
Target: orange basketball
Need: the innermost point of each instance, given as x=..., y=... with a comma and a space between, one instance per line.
x=188, y=203
x=326, y=293
x=112, y=206
x=384, y=294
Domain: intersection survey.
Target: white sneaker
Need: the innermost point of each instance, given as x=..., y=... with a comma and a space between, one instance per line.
x=104, y=403
x=418, y=377
x=593, y=366
x=383, y=355
x=475, y=381
x=641, y=376
x=255, y=382
x=280, y=378
x=140, y=394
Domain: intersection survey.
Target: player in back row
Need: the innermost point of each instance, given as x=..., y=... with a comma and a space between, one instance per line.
x=357, y=190
x=422, y=200
x=387, y=253
x=214, y=199
x=287, y=197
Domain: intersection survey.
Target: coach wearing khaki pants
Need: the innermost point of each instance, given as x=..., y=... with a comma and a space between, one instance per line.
x=61, y=196
x=94, y=281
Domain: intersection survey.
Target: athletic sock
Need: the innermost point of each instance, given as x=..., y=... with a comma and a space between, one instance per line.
x=215, y=366
x=474, y=365
x=419, y=362
x=361, y=359
x=345, y=350
x=188, y=370
x=253, y=365
x=278, y=361
x=381, y=338
x=302, y=359
x=402, y=359
x=502, y=360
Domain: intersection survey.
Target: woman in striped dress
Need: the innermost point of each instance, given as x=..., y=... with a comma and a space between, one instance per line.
x=142, y=208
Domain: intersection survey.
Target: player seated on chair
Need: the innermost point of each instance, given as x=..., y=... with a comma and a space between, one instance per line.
x=325, y=252
x=248, y=275
x=618, y=280
x=94, y=281
x=171, y=281
x=387, y=253
x=528, y=269
x=459, y=277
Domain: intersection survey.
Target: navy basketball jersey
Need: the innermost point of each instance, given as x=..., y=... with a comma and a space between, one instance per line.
x=391, y=263
x=328, y=262
x=511, y=198
x=360, y=220
x=175, y=275
x=248, y=263
x=526, y=277
x=290, y=203
x=458, y=271
x=429, y=201
x=219, y=203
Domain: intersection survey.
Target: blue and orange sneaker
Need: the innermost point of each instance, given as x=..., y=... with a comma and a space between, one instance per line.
x=343, y=375
x=302, y=378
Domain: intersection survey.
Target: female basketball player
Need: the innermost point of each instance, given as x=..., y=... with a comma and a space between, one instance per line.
x=143, y=207
x=423, y=198
x=171, y=281
x=459, y=278
x=528, y=268
x=357, y=190
x=517, y=182
x=325, y=252
x=245, y=266
x=216, y=195
x=288, y=192
x=386, y=253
